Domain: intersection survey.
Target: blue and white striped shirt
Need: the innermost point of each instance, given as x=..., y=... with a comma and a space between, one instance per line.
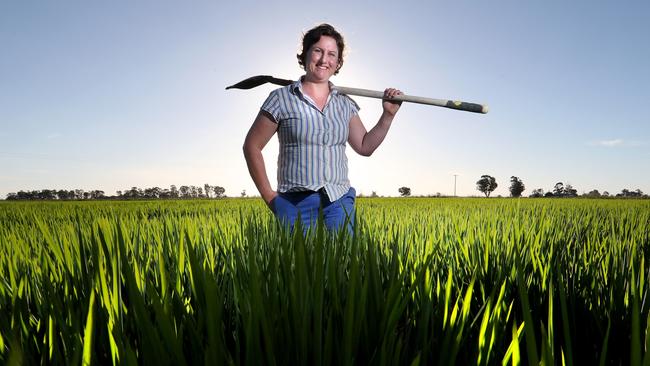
x=312, y=142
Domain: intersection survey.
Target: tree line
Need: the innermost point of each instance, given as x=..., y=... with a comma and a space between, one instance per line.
x=173, y=192
x=487, y=184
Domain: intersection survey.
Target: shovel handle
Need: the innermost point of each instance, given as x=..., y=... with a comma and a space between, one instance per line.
x=462, y=106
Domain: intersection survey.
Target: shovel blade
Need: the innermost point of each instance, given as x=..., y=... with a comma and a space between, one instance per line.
x=258, y=80
x=251, y=82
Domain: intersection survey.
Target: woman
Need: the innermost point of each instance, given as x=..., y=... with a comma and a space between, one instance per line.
x=313, y=123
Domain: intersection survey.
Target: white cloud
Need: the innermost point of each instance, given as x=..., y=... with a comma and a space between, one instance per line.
x=609, y=143
x=619, y=143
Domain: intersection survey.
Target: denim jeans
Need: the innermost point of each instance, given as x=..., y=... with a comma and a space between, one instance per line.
x=290, y=206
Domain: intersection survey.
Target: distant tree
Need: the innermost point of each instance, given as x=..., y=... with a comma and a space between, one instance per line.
x=98, y=194
x=569, y=191
x=22, y=195
x=537, y=193
x=133, y=193
x=404, y=191
x=47, y=194
x=194, y=192
x=516, y=186
x=605, y=194
x=62, y=194
x=487, y=184
x=173, y=191
x=152, y=193
x=218, y=191
x=373, y=194
x=626, y=193
x=593, y=194
x=243, y=193
x=184, y=192
x=208, y=190
x=560, y=190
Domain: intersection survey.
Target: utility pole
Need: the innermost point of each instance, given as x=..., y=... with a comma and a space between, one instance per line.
x=455, y=175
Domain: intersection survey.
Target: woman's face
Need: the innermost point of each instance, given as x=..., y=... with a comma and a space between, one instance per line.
x=322, y=59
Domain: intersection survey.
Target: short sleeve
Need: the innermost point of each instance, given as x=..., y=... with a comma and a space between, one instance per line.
x=272, y=105
x=353, y=106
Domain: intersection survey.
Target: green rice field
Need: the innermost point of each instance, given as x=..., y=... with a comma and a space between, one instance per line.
x=422, y=281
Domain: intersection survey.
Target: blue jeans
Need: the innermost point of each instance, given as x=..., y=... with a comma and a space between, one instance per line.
x=290, y=206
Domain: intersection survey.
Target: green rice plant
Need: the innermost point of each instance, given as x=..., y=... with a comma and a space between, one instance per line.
x=421, y=281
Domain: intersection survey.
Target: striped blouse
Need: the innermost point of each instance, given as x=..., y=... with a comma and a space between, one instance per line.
x=312, y=142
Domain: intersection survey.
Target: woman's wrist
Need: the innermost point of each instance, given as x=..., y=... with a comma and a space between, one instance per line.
x=269, y=196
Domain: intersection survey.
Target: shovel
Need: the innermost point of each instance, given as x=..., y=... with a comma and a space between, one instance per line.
x=258, y=80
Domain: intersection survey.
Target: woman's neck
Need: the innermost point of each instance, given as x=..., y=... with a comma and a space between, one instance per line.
x=315, y=87
x=317, y=91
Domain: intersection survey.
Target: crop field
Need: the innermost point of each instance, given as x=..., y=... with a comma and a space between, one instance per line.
x=422, y=281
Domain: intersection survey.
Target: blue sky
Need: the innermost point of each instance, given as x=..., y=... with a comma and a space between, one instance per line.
x=110, y=95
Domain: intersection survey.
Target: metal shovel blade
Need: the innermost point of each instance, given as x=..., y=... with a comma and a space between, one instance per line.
x=255, y=81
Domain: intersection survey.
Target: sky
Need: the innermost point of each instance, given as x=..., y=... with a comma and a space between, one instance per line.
x=114, y=94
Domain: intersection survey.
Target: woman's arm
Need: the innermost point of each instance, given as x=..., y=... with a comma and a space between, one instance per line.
x=258, y=136
x=366, y=142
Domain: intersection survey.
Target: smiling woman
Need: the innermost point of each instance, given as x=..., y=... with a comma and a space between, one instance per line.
x=314, y=122
x=314, y=42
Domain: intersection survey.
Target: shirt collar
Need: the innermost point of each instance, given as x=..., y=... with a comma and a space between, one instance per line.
x=296, y=87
